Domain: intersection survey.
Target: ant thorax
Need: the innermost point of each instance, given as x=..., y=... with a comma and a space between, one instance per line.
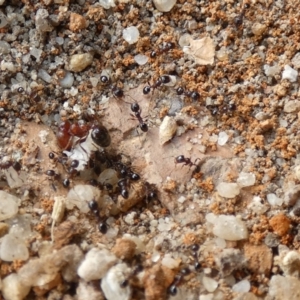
x=82, y=150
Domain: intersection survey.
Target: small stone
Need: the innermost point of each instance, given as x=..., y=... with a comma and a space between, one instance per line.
x=77, y=22
x=13, y=289
x=209, y=284
x=42, y=21
x=246, y=179
x=164, y=5
x=292, y=195
x=64, y=233
x=280, y=90
x=167, y=130
x=169, y=262
x=8, y=205
x=4, y=47
x=141, y=59
x=271, y=70
x=12, y=248
x=288, y=261
x=131, y=35
x=96, y=264
x=259, y=258
x=291, y=106
x=281, y=287
x=67, y=81
x=289, y=74
x=258, y=29
x=280, y=224
x=257, y=205
x=44, y=75
x=242, y=287
x=43, y=289
x=228, y=189
x=272, y=240
x=111, y=283
x=79, y=62
x=230, y=228
x=124, y=249
x=274, y=200
x=222, y=138
x=107, y=4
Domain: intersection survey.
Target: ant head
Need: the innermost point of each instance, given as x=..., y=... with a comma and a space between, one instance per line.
x=195, y=96
x=180, y=90
x=179, y=159
x=104, y=79
x=119, y=93
x=165, y=79
x=124, y=193
x=146, y=90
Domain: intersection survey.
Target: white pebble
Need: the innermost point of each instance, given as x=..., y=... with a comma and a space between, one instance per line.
x=44, y=75
x=164, y=5
x=13, y=289
x=107, y=4
x=257, y=206
x=274, y=200
x=209, y=284
x=131, y=34
x=222, y=138
x=111, y=283
x=271, y=70
x=96, y=263
x=242, y=287
x=78, y=62
x=169, y=262
x=141, y=59
x=289, y=73
x=67, y=81
x=181, y=199
x=167, y=129
x=4, y=47
x=228, y=189
x=246, y=179
x=230, y=228
x=8, y=205
x=12, y=248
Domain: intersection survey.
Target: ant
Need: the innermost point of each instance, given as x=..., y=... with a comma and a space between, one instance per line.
x=66, y=132
x=163, y=49
x=135, y=108
x=185, y=161
x=94, y=207
x=123, y=185
x=191, y=94
x=177, y=280
x=117, y=92
x=195, y=248
x=137, y=269
x=7, y=164
x=33, y=96
x=159, y=82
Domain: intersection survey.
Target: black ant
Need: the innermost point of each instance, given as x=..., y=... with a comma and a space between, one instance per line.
x=178, y=278
x=191, y=94
x=134, y=272
x=33, y=96
x=159, y=82
x=7, y=164
x=185, y=161
x=163, y=49
x=135, y=108
x=123, y=185
x=195, y=248
x=117, y=92
x=94, y=207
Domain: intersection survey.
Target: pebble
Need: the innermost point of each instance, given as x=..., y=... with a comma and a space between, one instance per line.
x=67, y=81
x=280, y=224
x=242, y=286
x=169, y=262
x=230, y=228
x=111, y=283
x=257, y=205
x=291, y=106
x=292, y=195
x=289, y=73
x=77, y=22
x=222, y=138
x=258, y=29
x=164, y=5
x=246, y=179
x=281, y=287
x=4, y=47
x=8, y=205
x=107, y=4
x=229, y=260
x=42, y=21
x=297, y=172
x=131, y=34
x=13, y=289
x=141, y=59
x=96, y=263
x=3, y=229
x=124, y=249
x=44, y=75
x=86, y=291
x=228, y=189
x=209, y=284
x=167, y=130
x=289, y=263
x=78, y=62
x=274, y=200
x=271, y=70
